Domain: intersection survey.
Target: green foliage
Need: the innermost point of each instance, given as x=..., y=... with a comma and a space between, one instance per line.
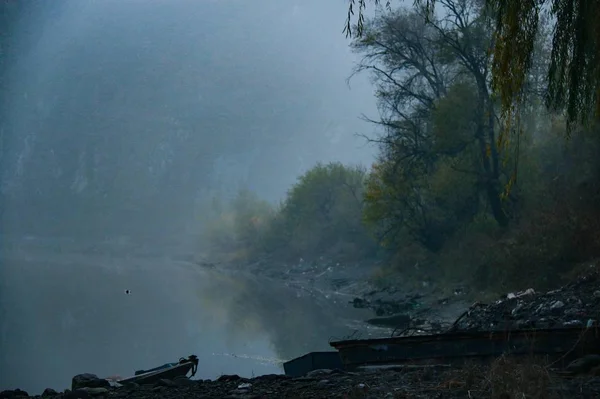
x=436, y=107
x=426, y=208
x=252, y=218
x=321, y=215
x=556, y=227
x=445, y=184
x=323, y=211
x=449, y=179
x=454, y=119
x=238, y=227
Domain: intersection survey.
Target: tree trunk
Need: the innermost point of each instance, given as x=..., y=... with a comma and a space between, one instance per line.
x=493, y=194
x=491, y=176
x=493, y=184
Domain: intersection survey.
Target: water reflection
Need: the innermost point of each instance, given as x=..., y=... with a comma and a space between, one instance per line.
x=64, y=315
x=295, y=321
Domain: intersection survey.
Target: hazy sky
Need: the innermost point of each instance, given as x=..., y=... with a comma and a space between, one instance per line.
x=116, y=117
x=146, y=104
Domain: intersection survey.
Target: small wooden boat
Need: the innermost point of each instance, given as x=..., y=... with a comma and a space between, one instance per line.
x=168, y=371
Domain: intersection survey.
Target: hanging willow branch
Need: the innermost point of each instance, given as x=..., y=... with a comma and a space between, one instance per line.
x=574, y=71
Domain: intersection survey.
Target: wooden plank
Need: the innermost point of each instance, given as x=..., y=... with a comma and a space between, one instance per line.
x=565, y=343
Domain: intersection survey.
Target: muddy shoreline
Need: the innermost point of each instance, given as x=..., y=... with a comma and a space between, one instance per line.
x=391, y=309
x=503, y=379
x=348, y=286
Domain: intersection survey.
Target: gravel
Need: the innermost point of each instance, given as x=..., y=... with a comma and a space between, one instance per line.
x=576, y=304
x=502, y=379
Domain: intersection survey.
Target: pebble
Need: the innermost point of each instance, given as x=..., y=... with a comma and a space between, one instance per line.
x=573, y=305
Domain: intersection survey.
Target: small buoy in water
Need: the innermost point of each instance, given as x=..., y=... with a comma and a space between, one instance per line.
x=128, y=292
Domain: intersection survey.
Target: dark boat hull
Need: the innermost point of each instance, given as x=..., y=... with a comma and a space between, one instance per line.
x=312, y=361
x=179, y=371
x=561, y=345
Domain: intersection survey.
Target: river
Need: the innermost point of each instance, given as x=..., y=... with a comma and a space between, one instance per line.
x=64, y=312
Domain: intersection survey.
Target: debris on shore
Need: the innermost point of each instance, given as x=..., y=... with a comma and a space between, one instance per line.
x=501, y=379
x=576, y=304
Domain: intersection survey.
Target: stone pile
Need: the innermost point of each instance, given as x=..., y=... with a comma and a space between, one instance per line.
x=576, y=304
x=418, y=383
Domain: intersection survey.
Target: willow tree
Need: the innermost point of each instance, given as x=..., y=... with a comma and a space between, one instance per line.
x=574, y=69
x=439, y=153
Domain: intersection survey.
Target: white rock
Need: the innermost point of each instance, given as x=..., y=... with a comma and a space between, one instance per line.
x=557, y=305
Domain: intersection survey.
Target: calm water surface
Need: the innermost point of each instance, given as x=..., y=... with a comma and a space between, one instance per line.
x=66, y=313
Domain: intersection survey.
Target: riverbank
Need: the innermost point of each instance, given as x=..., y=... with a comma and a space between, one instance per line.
x=325, y=288
x=575, y=303
x=399, y=304
x=500, y=380
x=77, y=316
x=403, y=305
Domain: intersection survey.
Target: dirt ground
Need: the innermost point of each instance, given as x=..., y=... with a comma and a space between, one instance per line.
x=503, y=379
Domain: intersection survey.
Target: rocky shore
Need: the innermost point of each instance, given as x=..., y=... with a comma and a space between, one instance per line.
x=398, y=306
x=408, y=311
x=503, y=379
x=576, y=304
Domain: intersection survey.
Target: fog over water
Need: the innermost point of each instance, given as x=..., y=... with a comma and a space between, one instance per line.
x=67, y=314
x=118, y=121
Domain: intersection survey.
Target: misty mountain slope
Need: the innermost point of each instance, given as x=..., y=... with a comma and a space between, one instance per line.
x=135, y=109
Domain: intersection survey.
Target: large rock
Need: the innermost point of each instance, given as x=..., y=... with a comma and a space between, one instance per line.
x=88, y=380
x=48, y=392
x=13, y=393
